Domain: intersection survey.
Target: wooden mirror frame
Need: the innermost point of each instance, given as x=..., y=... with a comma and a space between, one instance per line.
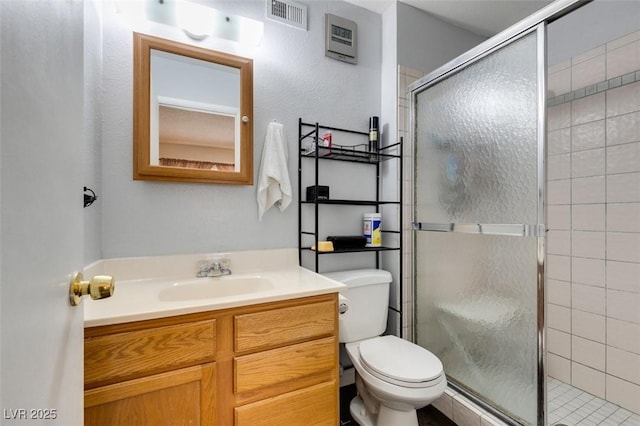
x=142, y=167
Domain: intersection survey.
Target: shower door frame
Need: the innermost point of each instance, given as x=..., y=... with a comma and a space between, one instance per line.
x=537, y=23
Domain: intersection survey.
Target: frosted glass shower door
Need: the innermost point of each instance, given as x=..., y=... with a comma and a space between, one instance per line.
x=477, y=217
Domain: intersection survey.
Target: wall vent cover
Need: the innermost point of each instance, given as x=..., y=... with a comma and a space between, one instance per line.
x=287, y=12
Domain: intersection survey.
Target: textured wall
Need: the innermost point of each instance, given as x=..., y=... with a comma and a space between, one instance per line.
x=292, y=78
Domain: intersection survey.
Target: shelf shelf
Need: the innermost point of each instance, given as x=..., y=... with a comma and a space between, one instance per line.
x=350, y=155
x=351, y=202
x=355, y=250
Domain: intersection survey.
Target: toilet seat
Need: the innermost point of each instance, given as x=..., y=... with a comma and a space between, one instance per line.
x=400, y=362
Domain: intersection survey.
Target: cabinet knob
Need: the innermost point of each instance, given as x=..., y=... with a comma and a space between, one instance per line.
x=99, y=287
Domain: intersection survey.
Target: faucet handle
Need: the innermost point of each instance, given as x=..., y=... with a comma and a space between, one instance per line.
x=225, y=262
x=203, y=268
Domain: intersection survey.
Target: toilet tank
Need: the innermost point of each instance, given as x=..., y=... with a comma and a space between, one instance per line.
x=368, y=300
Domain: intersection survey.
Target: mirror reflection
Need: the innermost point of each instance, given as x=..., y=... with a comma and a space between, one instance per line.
x=193, y=113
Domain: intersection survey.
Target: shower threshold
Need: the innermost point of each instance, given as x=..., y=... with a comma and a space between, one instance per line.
x=569, y=406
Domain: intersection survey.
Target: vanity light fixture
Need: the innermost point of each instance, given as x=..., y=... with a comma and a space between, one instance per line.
x=198, y=21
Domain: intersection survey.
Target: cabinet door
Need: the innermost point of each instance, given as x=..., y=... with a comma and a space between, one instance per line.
x=181, y=397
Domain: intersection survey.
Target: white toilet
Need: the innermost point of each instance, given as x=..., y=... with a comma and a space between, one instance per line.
x=394, y=377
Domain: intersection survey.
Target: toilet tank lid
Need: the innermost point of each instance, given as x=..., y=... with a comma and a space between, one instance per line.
x=360, y=277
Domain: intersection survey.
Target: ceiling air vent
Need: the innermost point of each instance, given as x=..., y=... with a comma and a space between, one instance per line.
x=287, y=12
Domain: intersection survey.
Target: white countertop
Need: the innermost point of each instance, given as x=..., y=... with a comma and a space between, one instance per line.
x=142, y=282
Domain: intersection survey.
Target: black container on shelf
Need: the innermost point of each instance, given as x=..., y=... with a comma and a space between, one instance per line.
x=341, y=242
x=317, y=192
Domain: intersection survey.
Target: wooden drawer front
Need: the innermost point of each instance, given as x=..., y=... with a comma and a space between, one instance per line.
x=286, y=364
x=316, y=405
x=278, y=327
x=120, y=356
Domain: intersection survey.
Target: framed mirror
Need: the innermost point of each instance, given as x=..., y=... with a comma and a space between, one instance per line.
x=192, y=113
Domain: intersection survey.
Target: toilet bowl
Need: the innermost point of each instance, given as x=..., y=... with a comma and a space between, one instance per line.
x=394, y=377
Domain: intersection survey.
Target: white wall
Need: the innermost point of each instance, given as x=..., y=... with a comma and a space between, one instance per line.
x=92, y=129
x=426, y=43
x=292, y=78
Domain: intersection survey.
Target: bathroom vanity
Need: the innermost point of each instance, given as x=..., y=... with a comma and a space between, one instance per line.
x=267, y=357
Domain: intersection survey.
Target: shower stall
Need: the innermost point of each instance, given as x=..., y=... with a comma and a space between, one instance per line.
x=526, y=217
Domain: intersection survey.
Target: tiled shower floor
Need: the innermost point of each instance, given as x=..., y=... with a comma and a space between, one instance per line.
x=573, y=407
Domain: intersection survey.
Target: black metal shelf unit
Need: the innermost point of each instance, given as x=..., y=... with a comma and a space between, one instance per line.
x=353, y=154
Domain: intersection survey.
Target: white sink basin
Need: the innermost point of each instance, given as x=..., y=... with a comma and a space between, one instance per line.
x=208, y=288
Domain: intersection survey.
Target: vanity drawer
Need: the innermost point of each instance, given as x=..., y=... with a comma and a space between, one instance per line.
x=122, y=356
x=317, y=405
x=277, y=327
x=287, y=364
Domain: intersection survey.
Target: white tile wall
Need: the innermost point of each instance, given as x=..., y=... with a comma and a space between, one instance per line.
x=623, y=129
x=590, y=135
x=593, y=281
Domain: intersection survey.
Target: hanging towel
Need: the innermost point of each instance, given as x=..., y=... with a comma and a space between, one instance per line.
x=274, y=186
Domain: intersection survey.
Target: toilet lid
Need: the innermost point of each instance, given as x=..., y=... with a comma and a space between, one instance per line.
x=399, y=359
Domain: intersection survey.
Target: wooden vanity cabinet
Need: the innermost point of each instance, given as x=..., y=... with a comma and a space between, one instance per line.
x=268, y=364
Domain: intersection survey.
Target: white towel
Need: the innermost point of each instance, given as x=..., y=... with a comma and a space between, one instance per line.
x=274, y=186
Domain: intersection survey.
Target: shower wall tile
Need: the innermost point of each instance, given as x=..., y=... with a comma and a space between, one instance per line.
x=588, y=190
x=559, y=367
x=588, y=72
x=588, y=217
x=559, y=141
x=588, y=55
x=559, y=82
x=559, y=292
x=588, y=325
x=623, y=246
x=623, y=276
x=559, y=343
x=559, y=66
x=623, y=364
x=559, y=318
x=559, y=217
x=588, y=379
x=559, y=192
x=623, y=188
x=600, y=352
x=588, y=298
x=559, y=117
x=623, y=217
x=623, y=158
x=588, y=244
x=623, y=393
x=623, y=60
x=559, y=242
x=619, y=332
x=623, y=305
x=588, y=109
x=588, y=136
x=588, y=163
x=623, y=100
x=619, y=42
x=559, y=167
x=623, y=129
x=559, y=267
x=589, y=353
x=588, y=271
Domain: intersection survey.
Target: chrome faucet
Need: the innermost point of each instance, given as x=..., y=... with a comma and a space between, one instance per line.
x=215, y=268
